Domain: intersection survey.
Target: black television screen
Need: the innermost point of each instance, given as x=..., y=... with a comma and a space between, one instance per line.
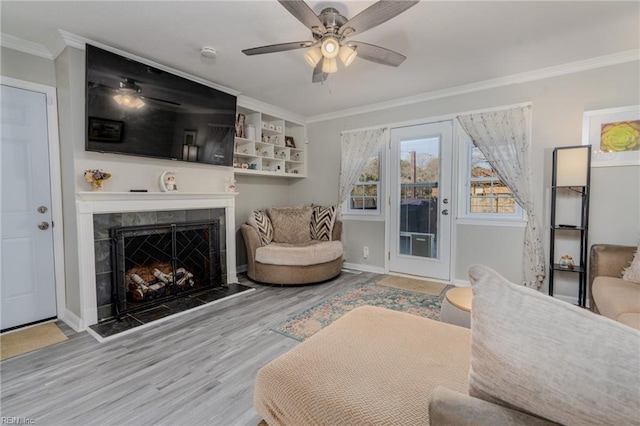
x=133, y=108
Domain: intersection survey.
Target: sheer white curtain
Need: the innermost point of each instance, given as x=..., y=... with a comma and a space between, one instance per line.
x=357, y=147
x=504, y=139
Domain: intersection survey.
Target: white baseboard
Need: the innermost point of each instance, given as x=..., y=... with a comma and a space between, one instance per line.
x=462, y=283
x=72, y=320
x=363, y=268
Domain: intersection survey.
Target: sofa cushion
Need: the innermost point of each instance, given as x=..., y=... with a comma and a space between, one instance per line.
x=262, y=224
x=322, y=221
x=615, y=296
x=311, y=253
x=450, y=408
x=632, y=273
x=540, y=355
x=291, y=225
x=632, y=319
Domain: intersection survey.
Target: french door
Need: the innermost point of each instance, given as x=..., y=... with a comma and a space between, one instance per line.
x=420, y=207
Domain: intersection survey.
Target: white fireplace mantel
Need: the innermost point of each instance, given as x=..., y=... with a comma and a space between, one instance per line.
x=90, y=203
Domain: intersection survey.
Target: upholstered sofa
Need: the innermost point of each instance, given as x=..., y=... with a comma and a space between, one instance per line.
x=528, y=359
x=610, y=293
x=303, y=247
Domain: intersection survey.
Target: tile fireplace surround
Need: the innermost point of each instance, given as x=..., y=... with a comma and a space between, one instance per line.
x=91, y=203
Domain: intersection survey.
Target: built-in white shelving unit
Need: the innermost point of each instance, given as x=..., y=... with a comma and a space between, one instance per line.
x=277, y=148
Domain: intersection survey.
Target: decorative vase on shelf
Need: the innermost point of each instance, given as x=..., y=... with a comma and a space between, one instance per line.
x=97, y=185
x=96, y=178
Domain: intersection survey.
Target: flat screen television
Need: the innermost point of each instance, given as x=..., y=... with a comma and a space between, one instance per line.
x=135, y=109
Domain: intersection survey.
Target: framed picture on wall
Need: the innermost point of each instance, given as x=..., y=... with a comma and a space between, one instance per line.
x=103, y=130
x=190, y=137
x=614, y=135
x=288, y=142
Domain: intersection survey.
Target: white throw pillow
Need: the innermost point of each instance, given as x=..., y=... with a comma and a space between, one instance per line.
x=540, y=355
x=632, y=273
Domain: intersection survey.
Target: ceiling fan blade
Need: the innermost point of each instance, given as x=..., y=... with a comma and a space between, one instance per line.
x=318, y=75
x=272, y=48
x=375, y=15
x=161, y=100
x=304, y=14
x=377, y=54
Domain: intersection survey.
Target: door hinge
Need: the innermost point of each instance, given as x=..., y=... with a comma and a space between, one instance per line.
x=389, y=255
x=389, y=199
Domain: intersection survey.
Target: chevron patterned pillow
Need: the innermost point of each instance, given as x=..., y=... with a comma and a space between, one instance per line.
x=261, y=223
x=322, y=220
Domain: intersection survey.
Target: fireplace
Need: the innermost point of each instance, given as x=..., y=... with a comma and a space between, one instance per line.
x=98, y=212
x=152, y=231
x=153, y=264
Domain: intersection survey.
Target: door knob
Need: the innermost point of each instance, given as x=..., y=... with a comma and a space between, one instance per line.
x=445, y=212
x=43, y=226
x=42, y=209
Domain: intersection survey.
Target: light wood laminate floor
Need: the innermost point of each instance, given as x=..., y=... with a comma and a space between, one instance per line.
x=197, y=369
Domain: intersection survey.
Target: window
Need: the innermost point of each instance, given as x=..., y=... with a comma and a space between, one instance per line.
x=484, y=196
x=366, y=194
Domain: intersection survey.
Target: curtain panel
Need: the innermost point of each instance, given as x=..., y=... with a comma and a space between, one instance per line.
x=356, y=149
x=504, y=139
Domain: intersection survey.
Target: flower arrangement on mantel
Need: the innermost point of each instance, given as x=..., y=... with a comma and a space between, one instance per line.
x=96, y=178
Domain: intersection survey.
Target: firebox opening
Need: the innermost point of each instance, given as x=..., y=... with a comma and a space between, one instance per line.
x=157, y=263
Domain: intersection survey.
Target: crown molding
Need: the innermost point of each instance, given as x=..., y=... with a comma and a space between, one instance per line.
x=16, y=43
x=78, y=42
x=254, y=104
x=64, y=39
x=540, y=74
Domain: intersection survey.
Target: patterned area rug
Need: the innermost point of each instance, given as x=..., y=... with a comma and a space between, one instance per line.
x=308, y=322
x=413, y=285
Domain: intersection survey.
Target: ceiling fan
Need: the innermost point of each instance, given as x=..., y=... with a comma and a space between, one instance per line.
x=129, y=94
x=330, y=31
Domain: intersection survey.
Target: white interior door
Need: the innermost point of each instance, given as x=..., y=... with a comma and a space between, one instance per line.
x=27, y=279
x=420, y=211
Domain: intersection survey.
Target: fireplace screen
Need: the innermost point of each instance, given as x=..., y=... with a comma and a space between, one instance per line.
x=156, y=263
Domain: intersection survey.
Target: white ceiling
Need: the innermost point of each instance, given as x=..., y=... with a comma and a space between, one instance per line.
x=447, y=43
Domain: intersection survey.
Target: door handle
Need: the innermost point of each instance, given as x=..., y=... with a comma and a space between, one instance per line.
x=445, y=201
x=445, y=212
x=42, y=209
x=43, y=226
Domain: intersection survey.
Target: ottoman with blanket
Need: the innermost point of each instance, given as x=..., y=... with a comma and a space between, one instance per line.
x=293, y=245
x=528, y=359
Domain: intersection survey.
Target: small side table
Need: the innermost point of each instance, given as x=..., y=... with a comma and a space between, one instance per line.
x=456, y=307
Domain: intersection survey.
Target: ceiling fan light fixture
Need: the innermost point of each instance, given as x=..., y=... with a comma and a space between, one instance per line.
x=313, y=56
x=347, y=55
x=330, y=48
x=129, y=101
x=329, y=65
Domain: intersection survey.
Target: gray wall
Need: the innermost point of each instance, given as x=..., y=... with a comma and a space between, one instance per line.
x=27, y=67
x=558, y=106
x=258, y=193
x=69, y=67
x=559, y=103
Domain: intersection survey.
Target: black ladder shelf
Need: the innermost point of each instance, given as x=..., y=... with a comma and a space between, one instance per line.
x=563, y=187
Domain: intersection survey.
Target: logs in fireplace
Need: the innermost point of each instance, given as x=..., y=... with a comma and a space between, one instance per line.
x=153, y=264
